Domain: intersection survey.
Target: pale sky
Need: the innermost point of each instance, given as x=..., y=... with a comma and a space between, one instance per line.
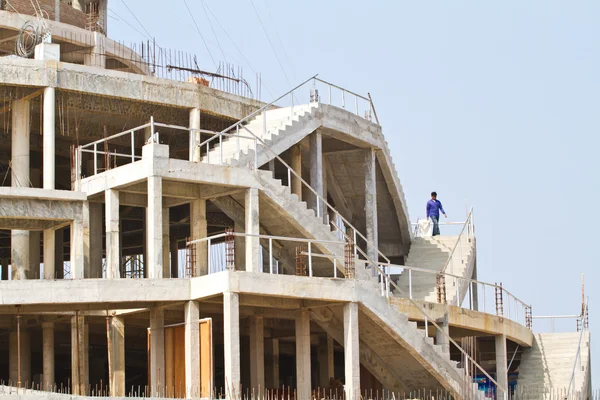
x=494, y=104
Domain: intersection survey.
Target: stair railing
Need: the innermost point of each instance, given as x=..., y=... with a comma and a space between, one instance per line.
x=578, y=354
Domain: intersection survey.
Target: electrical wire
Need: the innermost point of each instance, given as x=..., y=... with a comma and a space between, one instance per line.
x=136, y=18
x=213, y=30
x=199, y=33
x=290, y=65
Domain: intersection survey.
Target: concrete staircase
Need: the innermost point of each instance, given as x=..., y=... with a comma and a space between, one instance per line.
x=283, y=126
x=548, y=365
x=432, y=253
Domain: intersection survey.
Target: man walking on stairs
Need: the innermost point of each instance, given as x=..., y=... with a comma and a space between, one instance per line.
x=434, y=206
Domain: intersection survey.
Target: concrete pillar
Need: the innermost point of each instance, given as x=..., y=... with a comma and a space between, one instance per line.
x=501, y=363
x=49, y=253
x=316, y=172
x=174, y=258
x=257, y=353
x=440, y=338
x=113, y=251
x=325, y=356
x=371, y=204
x=79, y=356
x=199, y=229
x=272, y=365
x=166, y=251
x=351, y=352
x=59, y=254
x=97, y=55
x=24, y=339
x=239, y=248
x=192, y=349
x=48, y=355
x=195, y=138
x=157, y=351
x=252, y=227
x=49, y=123
x=103, y=15
x=20, y=178
x=116, y=349
x=57, y=10
x=34, y=254
x=231, y=336
x=296, y=164
x=95, y=240
x=80, y=243
x=303, y=380
x=154, y=227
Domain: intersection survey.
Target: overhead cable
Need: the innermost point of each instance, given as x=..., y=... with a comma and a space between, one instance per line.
x=199, y=33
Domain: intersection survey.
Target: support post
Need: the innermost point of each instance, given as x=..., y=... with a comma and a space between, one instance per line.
x=351, y=351
x=303, y=379
x=192, y=349
x=296, y=165
x=24, y=338
x=272, y=366
x=316, y=173
x=49, y=139
x=371, y=204
x=166, y=251
x=195, y=137
x=157, y=352
x=47, y=355
x=257, y=353
x=440, y=338
x=49, y=253
x=116, y=350
x=57, y=10
x=20, y=178
x=199, y=229
x=501, y=363
x=59, y=254
x=252, y=227
x=113, y=251
x=95, y=240
x=154, y=227
x=325, y=356
x=79, y=356
x=231, y=336
x=80, y=243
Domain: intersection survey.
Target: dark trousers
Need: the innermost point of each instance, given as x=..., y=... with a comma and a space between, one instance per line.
x=436, y=226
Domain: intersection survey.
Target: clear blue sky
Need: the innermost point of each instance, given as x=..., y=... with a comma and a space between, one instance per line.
x=494, y=102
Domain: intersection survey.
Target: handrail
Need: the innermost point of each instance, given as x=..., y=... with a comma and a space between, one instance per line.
x=578, y=354
x=467, y=221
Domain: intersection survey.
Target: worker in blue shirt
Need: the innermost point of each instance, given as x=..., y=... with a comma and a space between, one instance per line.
x=434, y=206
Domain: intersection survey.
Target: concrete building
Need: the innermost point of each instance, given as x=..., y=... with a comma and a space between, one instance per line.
x=161, y=236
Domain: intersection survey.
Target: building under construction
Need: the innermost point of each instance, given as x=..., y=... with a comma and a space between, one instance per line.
x=166, y=233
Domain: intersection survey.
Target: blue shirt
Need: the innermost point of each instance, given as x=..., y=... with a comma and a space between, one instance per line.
x=434, y=207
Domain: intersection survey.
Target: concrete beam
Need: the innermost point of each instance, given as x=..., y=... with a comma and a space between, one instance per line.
x=251, y=208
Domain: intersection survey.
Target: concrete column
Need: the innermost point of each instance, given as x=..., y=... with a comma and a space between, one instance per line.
x=501, y=362
x=157, y=351
x=231, y=336
x=351, y=351
x=296, y=164
x=174, y=258
x=303, y=380
x=103, y=15
x=195, y=138
x=20, y=178
x=371, y=204
x=49, y=253
x=48, y=356
x=24, y=339
x=316, y=171
x=34, y=254
x=97, y=55
x=116, y=349
x=49, y=123
x=57, y=10
x=80, y=243
x=257, y=353
x=272, y=366
x=199, y=229
x=79, y=356
x=113, y=251
x=59, y=254
x=252, y=227
x=440, y=338
x=474, y=286
x=166, y=251
x=192, y=349
x=95, y=239
x=154, y=227
x=325, y=356
x=239, y=245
